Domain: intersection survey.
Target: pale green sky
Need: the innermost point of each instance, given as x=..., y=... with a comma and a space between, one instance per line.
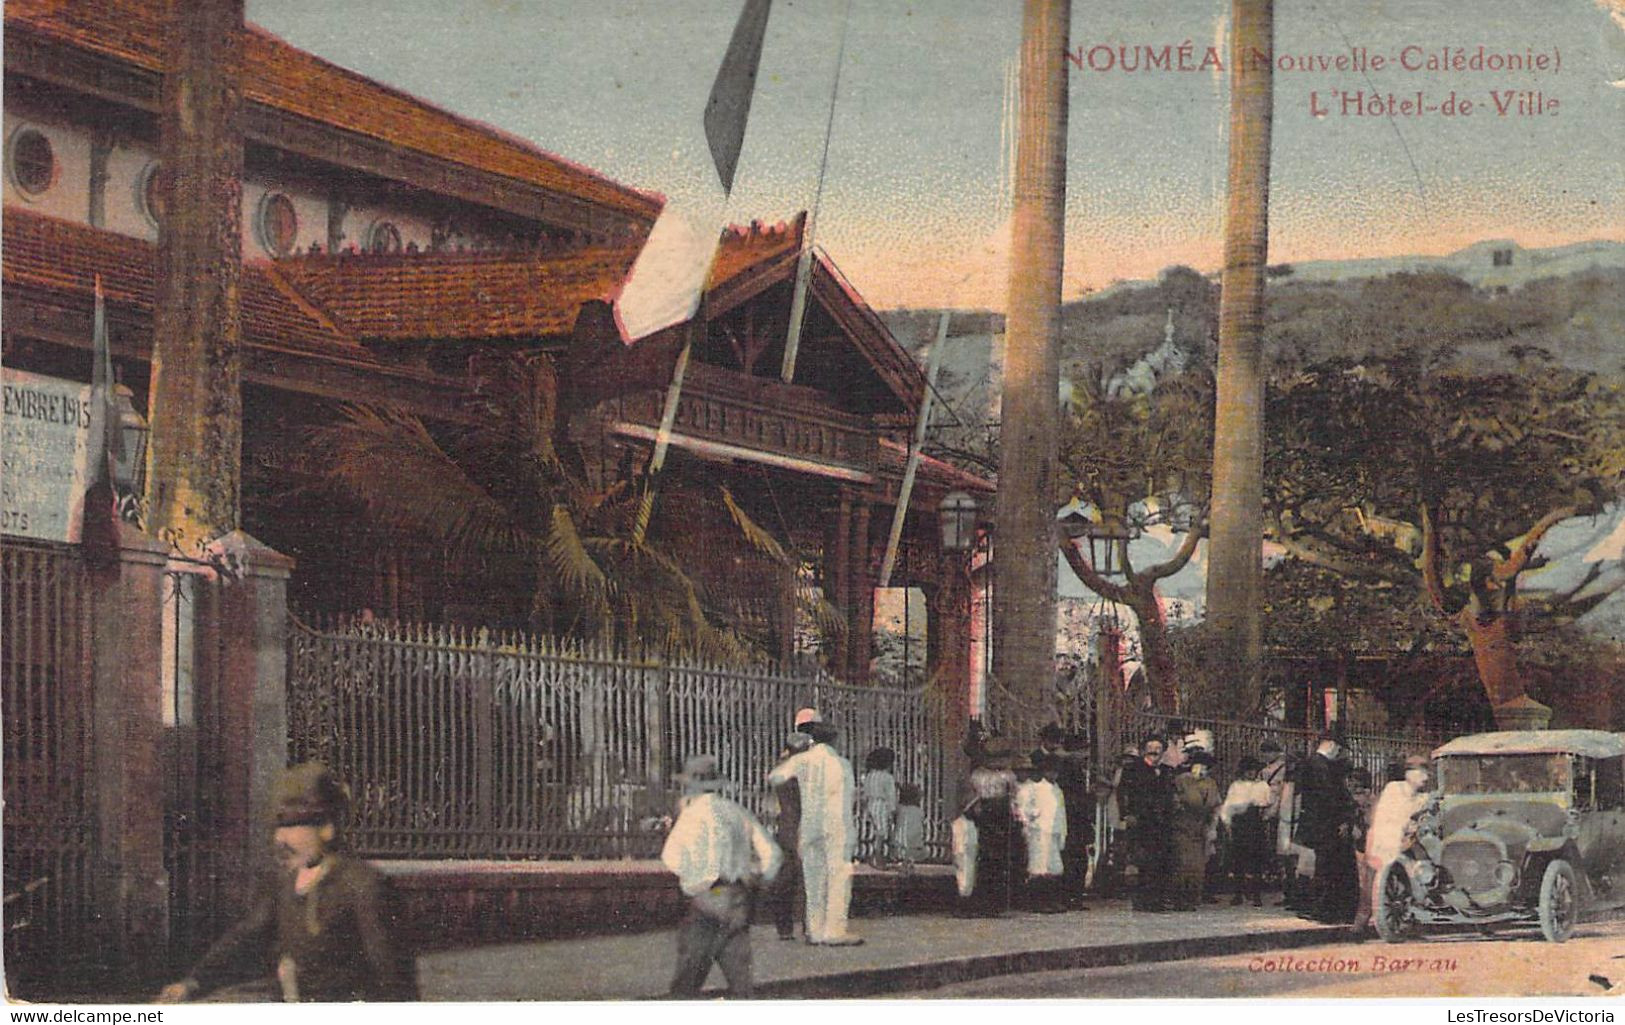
x=913, y=198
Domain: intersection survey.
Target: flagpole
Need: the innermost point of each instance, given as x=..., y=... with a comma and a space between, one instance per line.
x=798, y=300
x=668, y=418
x=906, y=490
x=726, y=112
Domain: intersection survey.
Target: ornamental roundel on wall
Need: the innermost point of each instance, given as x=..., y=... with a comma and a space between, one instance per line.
x=278, y=224
x=30, y=161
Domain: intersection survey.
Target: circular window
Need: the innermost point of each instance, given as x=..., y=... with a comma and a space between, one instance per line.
x=31, y=161
x=278, y=224
x=148, y=199
x=384, y=237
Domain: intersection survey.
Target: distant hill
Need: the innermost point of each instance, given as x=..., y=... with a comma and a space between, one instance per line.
x=1566, y=303
x=1496, y=263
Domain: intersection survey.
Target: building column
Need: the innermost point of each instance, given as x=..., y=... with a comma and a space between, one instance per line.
x=948, y=656
x=128, y=768
x=101, y=147
x=861, y=587
x=839, y=573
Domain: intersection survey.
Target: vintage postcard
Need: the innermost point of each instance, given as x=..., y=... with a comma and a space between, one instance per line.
x=600, y=500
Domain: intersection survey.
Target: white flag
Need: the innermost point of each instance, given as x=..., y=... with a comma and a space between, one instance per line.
x=669, y=275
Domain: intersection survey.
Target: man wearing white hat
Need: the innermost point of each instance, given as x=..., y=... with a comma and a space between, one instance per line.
x=827, y=838
x=720, y=854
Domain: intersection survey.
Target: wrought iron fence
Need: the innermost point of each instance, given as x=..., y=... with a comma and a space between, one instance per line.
x=1231, y=740
x=50, y=815
x=464, y=744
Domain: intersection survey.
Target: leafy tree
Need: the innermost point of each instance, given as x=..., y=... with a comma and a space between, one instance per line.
x=1141, y=461
x=1409, y=470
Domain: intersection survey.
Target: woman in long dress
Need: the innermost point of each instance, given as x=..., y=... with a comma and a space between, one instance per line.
x=1196, y=799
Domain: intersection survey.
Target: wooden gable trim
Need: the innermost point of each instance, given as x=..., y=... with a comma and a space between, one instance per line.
x=896, y=369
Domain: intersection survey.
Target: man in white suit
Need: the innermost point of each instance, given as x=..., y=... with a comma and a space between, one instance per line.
x=828, y=838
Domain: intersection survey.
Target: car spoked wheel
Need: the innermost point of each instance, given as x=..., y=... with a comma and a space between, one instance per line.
x=1393, y=910
x=1559, y=902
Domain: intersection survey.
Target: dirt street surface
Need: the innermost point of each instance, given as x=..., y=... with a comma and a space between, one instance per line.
x=1506, y=964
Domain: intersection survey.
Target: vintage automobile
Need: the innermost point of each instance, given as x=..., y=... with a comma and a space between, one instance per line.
x=1524, y=827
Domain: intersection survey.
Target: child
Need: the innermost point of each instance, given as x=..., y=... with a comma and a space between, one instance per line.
x=878, y=790
x=908, y=828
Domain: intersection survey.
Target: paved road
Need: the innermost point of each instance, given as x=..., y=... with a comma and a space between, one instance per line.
x=1509, y=964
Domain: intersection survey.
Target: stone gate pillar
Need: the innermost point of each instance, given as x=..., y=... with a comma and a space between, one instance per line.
x=250, y=631
x=128, y=767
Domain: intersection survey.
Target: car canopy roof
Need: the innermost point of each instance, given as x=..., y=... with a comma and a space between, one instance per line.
x=1591, y=743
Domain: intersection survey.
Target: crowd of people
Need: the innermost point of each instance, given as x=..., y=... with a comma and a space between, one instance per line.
x=1311, y=826
x=1025, y=836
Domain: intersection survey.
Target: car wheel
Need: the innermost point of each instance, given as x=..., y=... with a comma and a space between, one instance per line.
x=1559, y=901
x=1393, y=904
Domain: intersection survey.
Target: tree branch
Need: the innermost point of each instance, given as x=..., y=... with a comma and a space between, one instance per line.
x=1519, y=560
x=948, y=452
x=1567, y=606
x=1324, y=556
x=1187, y=548
x=1430, y=565
x=1089, y=578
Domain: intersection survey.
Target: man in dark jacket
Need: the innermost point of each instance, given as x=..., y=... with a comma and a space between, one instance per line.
x=1145, y=800
x=1326, y=826
x=324, y=924
x=787, y=894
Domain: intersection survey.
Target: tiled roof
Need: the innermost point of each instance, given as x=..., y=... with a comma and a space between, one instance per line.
x=283, y=76
x=894, y=458
x=435, y=296
x=66, y=257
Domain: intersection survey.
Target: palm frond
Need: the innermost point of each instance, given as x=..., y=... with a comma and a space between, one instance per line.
x=569, y=558
x=811, y=601
x=753, y=532
x=389, y=463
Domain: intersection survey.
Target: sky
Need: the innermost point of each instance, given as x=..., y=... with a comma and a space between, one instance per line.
x=914, y=200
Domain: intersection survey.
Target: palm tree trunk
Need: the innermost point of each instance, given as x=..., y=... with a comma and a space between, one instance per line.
x=1235, y=570
x=1024, y=582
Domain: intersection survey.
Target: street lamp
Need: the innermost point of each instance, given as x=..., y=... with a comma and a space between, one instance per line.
x=1108, y=541
x=1108, y=547
x=958, y=516
x=130, y=465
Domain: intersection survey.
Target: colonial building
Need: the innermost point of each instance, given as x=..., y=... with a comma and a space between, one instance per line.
x=392, y=255
x=388, y=244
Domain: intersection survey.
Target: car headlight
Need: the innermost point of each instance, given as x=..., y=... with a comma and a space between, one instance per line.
x=1426, y=873
x=1506, y=873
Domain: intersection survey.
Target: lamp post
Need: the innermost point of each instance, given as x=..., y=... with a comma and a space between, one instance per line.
x=1108, y=548
x=1108, y=541
x=957, y=513
x=130, y=465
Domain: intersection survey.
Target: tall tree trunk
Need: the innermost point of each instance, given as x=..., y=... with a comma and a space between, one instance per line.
x=195, y=400
x=1235, y=570
x=1494, y=653
x=1155, y=651
x=1024, y=582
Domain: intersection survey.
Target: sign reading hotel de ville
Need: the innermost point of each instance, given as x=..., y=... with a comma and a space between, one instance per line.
x=47, y=428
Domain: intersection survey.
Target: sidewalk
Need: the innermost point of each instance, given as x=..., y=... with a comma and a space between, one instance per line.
x=908, y=952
